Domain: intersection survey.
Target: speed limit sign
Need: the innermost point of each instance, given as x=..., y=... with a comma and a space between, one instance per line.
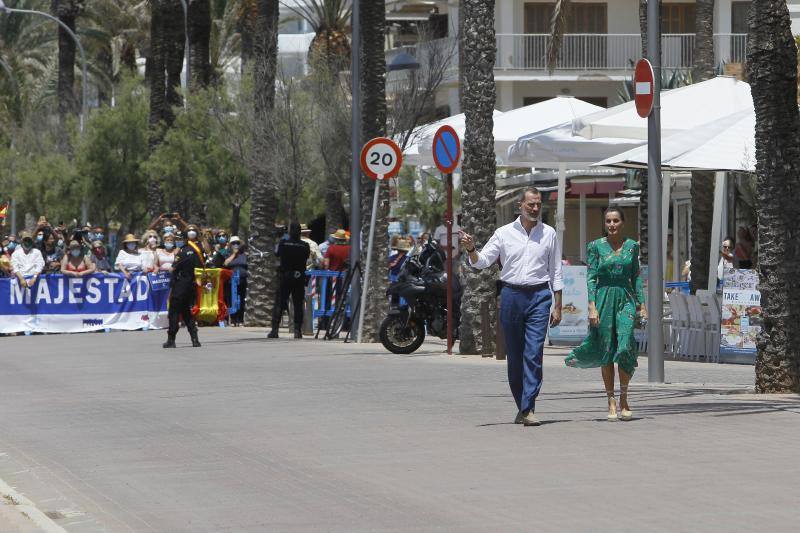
x=381, y=158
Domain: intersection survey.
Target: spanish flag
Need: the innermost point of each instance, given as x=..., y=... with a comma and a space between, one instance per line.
x=3, y=210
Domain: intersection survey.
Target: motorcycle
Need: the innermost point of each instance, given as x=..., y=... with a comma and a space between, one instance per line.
x=422, y=285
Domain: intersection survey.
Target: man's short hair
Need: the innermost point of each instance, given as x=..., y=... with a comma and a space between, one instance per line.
x=531, y=190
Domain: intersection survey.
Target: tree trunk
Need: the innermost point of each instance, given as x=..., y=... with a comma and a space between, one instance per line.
x=156, y=77
x=245, y=28
x=373, y=124
x=236, y=209
x=333, y=205
x=478, y=168
x=263, y=190
x=772, y=73
x=66, y=11
x=702, y=190
x=175, y=48
x=644, y=242
x=199, y=38
x=703, y=67
x=643, y=25
x=702, y=187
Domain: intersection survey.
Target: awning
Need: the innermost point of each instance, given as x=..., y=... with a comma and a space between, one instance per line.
x=596, y=185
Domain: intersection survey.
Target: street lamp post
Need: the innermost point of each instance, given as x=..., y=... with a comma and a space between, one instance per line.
x=355, y=144
x=187, y=54
x=84, y=99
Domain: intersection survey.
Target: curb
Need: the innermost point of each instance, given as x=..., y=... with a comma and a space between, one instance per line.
x=28, y=509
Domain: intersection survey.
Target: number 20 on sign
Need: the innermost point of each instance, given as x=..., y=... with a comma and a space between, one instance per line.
x=381, y=158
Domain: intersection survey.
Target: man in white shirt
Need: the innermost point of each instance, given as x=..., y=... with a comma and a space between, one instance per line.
x=530, y=254
x=315, y=257
x=27, y=261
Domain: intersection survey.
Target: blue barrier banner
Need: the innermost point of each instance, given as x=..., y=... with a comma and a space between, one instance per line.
x=62, y=304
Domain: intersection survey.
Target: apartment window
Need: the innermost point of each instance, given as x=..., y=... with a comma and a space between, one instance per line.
x=677, y=18
x=739, y=12
x=582, y=18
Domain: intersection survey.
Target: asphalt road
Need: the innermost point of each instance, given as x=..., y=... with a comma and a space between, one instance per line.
x=109, y=432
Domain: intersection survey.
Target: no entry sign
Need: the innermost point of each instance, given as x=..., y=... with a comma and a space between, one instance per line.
x=381, y=158
x=643, y=87
x=446, y=149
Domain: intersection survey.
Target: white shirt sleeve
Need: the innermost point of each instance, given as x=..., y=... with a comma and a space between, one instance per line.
x=38, y=262
x=488, y=254
x=16, y=262
x=557, y=279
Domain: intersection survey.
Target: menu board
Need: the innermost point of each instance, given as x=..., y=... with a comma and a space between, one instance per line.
x=574, y=324
x=741, y=312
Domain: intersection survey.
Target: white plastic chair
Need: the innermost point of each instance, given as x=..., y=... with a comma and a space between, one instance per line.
x=712, y=313
x=697, y=326
x=679, y=336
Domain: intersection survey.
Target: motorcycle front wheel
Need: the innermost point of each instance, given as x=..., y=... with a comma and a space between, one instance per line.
x=397, y=337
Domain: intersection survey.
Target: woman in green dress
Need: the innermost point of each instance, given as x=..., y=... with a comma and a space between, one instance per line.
x=615, y=296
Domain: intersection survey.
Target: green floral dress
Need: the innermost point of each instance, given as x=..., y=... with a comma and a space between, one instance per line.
x=616, y=288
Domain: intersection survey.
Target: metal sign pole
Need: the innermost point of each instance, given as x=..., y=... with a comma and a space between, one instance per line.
x=365, y=287
x=355, y=175
x=449, y=225
x=655, y=290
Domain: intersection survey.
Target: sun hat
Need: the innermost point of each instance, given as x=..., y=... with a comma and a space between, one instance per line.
x=25, y=235
x=74, y=244
x=235, y=239
x=130, y=237
x=339, y=235
x=304, y=228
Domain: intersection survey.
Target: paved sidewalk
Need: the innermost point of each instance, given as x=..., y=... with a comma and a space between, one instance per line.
x=108, y=432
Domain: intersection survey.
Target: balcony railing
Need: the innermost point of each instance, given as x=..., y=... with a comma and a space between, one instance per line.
x=609, y=51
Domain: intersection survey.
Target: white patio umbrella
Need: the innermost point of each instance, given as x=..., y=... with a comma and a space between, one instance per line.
x=682, y=109
x=418, y=155
x=724, y=144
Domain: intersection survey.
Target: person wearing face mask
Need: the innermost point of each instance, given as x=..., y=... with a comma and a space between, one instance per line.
x=183, y=288
x=149, y=251
x=52, y=254
x=237, y=261
x=222, y=251
x=168, y=223
x=76, y=264
x=27, y=261
x=99, y=257
x=166, y=254
x=129, y=259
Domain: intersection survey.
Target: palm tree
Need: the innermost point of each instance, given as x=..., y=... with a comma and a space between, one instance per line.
x=263, y=190
x=478, y=166
x=330, y=20
x=702, y=187
x=772, y=73
x=199, y=42
x=373, y=124
x=27, y=49
x=66, y=11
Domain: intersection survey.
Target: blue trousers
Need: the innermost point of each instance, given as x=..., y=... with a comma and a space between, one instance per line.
x=524, y=316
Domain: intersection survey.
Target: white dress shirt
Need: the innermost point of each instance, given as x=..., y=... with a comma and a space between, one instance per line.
x=526, y=259
x=30, y=264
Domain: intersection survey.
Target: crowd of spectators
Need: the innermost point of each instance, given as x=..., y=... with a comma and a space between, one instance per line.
x=84, y=250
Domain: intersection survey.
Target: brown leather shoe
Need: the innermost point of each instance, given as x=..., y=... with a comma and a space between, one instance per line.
x=528, y=419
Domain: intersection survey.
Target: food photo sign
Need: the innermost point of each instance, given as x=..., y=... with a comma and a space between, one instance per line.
x=741, y=315
x=575, y=307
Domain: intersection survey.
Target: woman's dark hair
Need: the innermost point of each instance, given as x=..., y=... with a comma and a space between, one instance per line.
x=294, y=230
x=614, y=209
x=729, y=238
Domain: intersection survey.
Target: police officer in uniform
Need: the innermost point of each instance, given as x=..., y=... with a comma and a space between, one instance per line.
x=293, y=253
x=183, y=288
